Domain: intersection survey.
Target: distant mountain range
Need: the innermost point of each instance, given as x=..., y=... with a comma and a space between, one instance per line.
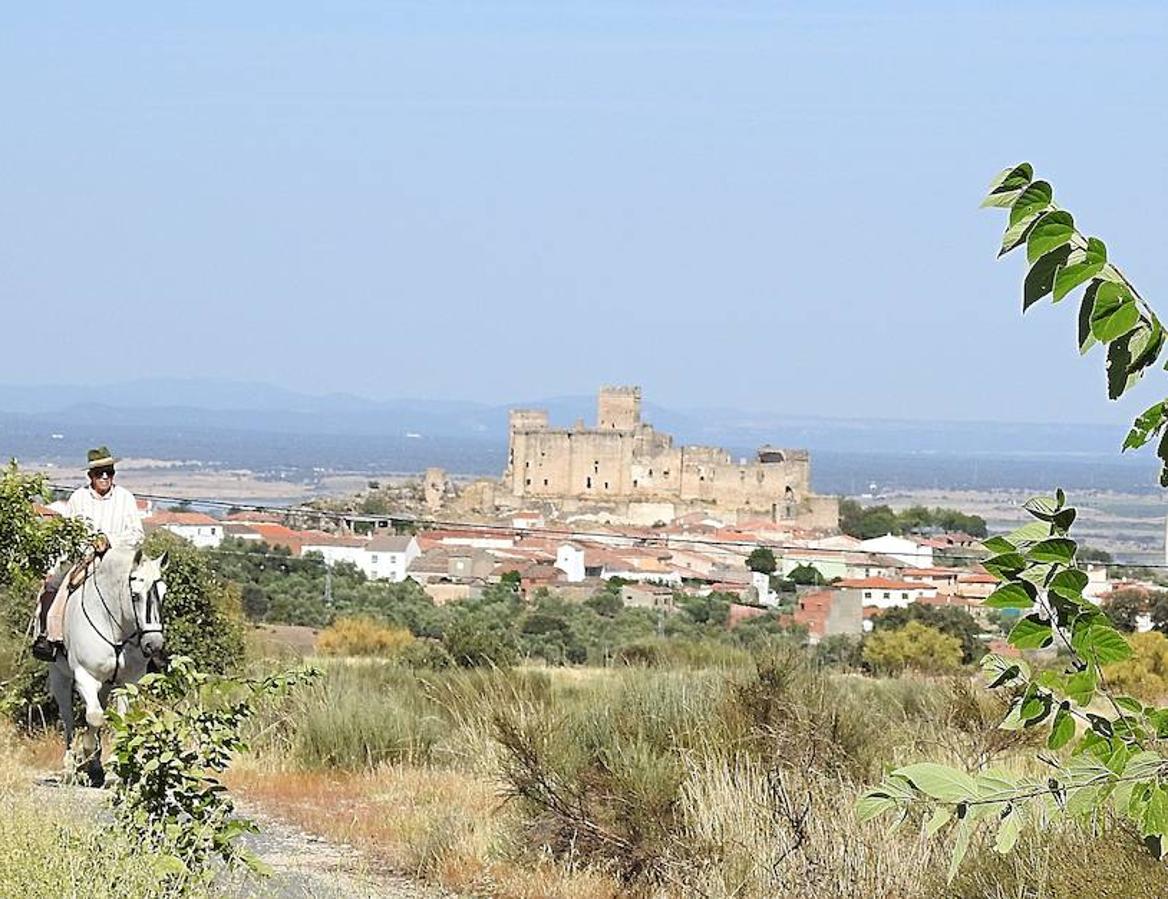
x=258, y=407
x=262, y=427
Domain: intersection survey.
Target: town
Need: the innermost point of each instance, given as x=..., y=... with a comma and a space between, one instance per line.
x=569, y=517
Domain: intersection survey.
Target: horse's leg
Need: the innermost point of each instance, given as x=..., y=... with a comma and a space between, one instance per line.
x=90, y=689
x=61, y=688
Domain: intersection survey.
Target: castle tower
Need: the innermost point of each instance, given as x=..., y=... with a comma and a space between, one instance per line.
x=521, y=422
x=618, y=408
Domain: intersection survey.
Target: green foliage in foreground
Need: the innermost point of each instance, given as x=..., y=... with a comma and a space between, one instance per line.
x=1114, y=759
x=177, y=735
x=1063, y=261
x=29, y=544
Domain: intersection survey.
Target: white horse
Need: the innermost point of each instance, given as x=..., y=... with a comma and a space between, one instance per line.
x=113, y=626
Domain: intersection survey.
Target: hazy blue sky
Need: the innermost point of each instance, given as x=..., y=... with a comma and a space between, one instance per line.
x=751, y=204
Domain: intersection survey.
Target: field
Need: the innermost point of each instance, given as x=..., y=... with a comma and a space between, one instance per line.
x=713, y=782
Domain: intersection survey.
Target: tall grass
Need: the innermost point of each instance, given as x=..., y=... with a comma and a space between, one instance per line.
x=728, y=781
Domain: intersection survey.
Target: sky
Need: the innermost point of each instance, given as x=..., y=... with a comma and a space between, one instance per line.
x=767, y=206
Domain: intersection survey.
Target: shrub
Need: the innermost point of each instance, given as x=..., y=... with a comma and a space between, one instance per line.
x=202, y=615
x=1145, y=673
x=912, y=646
x=423, y=653
x=362, y=637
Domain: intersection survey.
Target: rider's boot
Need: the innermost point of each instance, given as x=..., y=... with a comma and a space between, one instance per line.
x=43, y=648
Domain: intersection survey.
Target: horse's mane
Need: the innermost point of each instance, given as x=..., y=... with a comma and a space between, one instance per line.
x=117, y=563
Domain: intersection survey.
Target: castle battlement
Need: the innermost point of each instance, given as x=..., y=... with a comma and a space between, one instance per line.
x=624, y=463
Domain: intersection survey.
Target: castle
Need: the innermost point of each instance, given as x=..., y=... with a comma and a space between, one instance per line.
x=628, y=469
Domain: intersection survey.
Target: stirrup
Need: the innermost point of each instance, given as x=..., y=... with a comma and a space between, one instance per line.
x=43, y=650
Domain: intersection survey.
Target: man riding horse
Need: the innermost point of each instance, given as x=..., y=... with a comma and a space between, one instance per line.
x=112, y=512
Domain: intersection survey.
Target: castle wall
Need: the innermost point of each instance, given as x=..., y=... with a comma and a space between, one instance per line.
x=627, y=465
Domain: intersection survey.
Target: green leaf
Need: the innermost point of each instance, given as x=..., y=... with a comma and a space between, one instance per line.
x=1114, y=313
x=1086, y=308
x=1052, y=231
x=1040, y=279
x=1155, y=821
x=1063, y=519
x=1034, y=199
x=1062, y=730
x=1069, y=583
x=1008, y=184
x=1016, y=595
x=873, y=804
x=1030, y=532
x=1101, y=643
x=1004, y=566
x=1082, y=266
x=999, y=670
x=1030, y=632
x=998, y=545
x=1146, y=344
x=1060, y=550
x=1119, y=364
x=1017, y=234
x=939, y=781
x=941, y=816
x=1008, y=832
x=1042, y=507
x=960, y=846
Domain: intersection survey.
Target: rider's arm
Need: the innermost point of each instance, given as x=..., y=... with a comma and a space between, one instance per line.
x=131, y=533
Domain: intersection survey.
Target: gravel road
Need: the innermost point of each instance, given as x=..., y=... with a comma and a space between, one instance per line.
x=305, y=866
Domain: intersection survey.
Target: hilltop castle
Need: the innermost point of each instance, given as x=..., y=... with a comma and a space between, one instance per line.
x=627, y=468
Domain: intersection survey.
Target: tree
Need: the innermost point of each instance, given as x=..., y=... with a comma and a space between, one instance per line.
x=1091, y=554
x=947, y=619
x=1123, y=607
x=202, y=615
x=762, y=560
x=30, y=542
x=1145, y=674
x=806, y=576
x=913, y=646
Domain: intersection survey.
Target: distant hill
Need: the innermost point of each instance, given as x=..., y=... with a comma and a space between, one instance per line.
x=263, y=427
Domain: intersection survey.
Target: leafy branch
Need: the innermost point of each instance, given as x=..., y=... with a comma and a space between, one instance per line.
x=1114, y=762
x=177, y=734
x=1111, y=311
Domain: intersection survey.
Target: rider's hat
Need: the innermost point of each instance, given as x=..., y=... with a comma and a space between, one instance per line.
x=100, y=458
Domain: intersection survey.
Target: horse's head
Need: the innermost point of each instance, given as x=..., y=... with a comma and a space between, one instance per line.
x=147, y=589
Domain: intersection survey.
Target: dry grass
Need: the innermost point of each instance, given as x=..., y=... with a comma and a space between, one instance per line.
x=445, y=826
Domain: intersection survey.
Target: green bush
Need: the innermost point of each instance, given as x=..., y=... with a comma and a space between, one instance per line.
x=202, y=615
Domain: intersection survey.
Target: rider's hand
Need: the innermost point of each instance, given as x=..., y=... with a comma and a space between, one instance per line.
x=101, y=544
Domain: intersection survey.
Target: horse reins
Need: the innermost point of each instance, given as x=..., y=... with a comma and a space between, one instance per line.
x=139, y=630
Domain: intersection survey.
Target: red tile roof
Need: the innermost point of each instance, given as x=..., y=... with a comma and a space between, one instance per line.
x=881, y=583
x=191, y=519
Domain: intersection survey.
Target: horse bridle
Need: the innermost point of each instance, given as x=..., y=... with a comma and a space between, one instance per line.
x=153, y=601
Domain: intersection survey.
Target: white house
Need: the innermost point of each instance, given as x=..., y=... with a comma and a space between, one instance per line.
x=903, y=549
x=335, y=548
x=201, y=530
x=570, y=560
x=388, y=556
x=885, y=593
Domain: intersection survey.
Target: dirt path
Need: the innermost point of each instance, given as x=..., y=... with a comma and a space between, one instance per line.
x=305, y=866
